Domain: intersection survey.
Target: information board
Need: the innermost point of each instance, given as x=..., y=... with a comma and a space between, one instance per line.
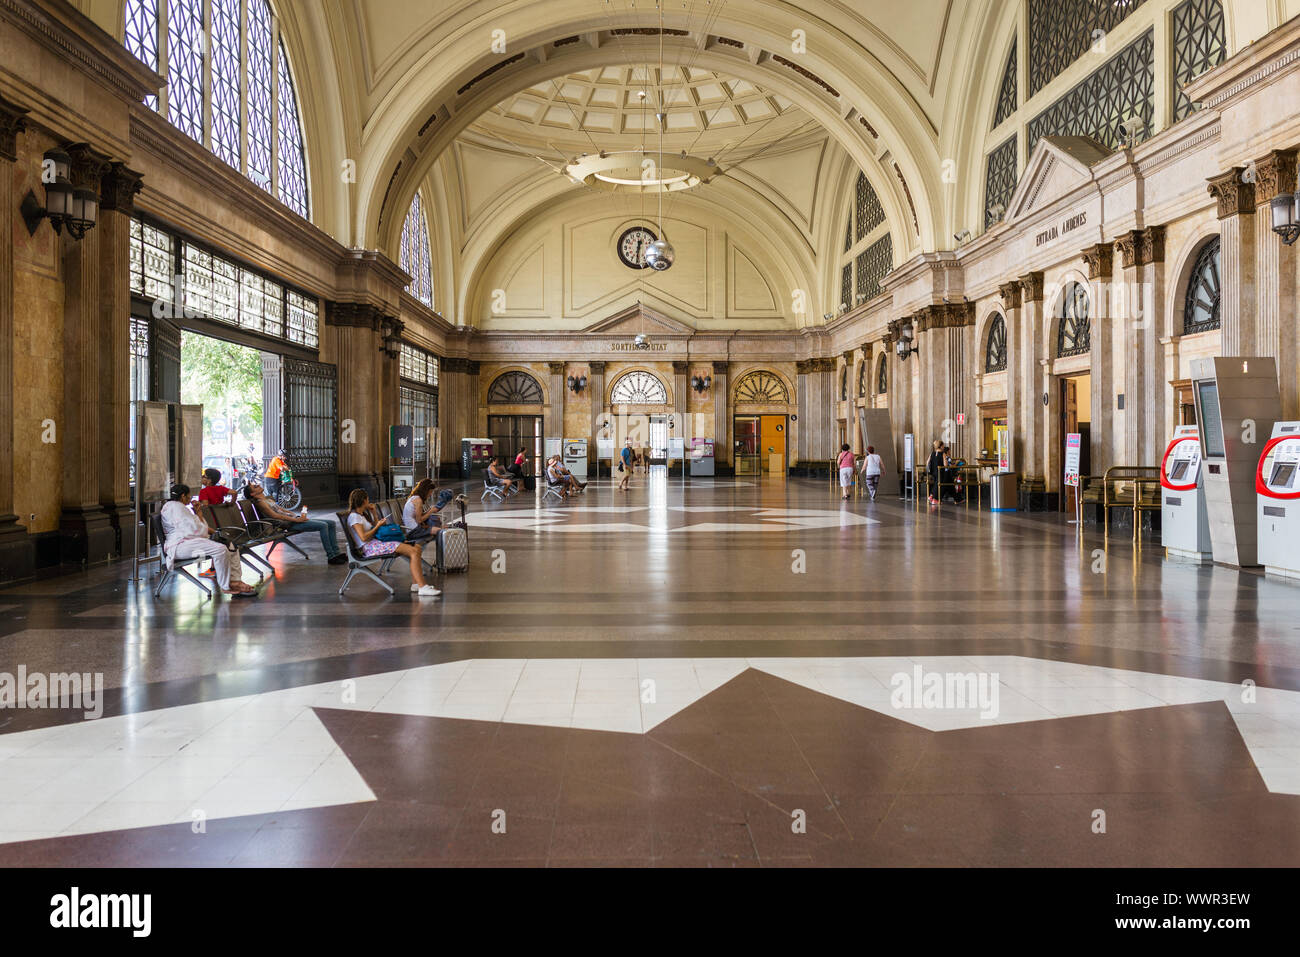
x=1211, y=421
x=1004, y=448
x=1072, y=459
x=908, y=457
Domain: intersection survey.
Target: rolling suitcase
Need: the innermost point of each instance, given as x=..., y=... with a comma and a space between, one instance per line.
x=453, y=550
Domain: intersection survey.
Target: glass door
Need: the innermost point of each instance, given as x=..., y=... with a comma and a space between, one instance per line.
x=658, y=440
x=747, y=441
x=510, y=433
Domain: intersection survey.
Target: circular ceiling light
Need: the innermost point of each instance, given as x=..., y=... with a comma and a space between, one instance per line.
x=638, y=171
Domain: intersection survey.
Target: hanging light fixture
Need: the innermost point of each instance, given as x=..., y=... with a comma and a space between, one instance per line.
x=1285, y=210
x=74, y=208
x=660, y=255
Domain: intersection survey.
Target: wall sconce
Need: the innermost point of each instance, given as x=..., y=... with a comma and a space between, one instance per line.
x=905, y=347
x=391, y=345
x=75, y=208
x=577, y=383
x=1285, y=209
x=700, y=383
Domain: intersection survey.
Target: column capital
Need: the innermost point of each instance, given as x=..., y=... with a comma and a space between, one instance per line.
x=1234, y=195
x=357, y=315
x=1031, y=287
x=1275, y=175
x=865, y=348
x=597, y=366
x=118, y=187
x=681, y=367
x=1100, y=260
x=848, y=357
x=1140, y=247
x=1010, y=293
x=719, y=368
x=88, y=165
x=1153, y=245
x=556, y=368
x=13, y=120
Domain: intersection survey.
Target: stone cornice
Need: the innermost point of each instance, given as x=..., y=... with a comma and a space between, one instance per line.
x=12, y=122
x=64, y=30
x=357, y=315
x=1099, y=259
x=1275, y=174
x=1235, y=196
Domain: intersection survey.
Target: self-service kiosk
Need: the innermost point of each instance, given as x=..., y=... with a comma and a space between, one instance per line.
x=1184, y=522
x=1277, y=482
x=575, y=458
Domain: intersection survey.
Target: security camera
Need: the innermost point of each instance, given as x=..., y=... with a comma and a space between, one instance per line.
x=962, y=237
x=997, y=211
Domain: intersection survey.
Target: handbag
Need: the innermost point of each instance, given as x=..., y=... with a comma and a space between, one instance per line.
x=390, y=533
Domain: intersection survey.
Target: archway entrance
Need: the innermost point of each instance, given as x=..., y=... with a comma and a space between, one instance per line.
x=1075, y=416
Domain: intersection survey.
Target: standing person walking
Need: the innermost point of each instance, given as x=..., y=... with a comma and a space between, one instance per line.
x=847, y=465
x=625, y=465
x=933, y=465
x=872, y=468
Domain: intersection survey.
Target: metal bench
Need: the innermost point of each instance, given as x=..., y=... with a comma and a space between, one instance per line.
x=179, y=566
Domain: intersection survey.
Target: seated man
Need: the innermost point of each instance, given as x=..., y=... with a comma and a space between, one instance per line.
x=212, y=491
x=559, y=475
x=297, y=522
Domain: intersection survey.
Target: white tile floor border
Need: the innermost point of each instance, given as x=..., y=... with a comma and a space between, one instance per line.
x=270, y=752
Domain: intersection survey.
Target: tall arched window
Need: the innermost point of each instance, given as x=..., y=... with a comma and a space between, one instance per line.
x=414, y=256
x=1201, y=305
x=229, y=88
x=761, y=386
x=995, y=349
x=882, y=376
x=1073, y=332
x=844, y=383
x=515, y=388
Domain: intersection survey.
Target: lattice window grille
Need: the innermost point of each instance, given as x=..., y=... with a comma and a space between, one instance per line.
x=1201, y=304
x=1199, y=44
x=638, y=388
x=1007, y=92
x=873, y=264
x=761, y=387
x=1000, y=177
x=1061, y=31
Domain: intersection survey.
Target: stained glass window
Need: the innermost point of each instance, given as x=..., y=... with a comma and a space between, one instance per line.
x=142, y=37
x=1200, y=44
x=185, y=66
x=303, y=315
x=995, y=349
x=1061, y=31
x=293, y=163
x=1201, y=305
x=234, y=92
x=761, y=386
x=1122, y=88
x=414, y=254
x=1007, y=92
x=153, y=263
x=1073, y=333
x=418, y=365
x=515, y=388
x=873, y=264
x=999, y=181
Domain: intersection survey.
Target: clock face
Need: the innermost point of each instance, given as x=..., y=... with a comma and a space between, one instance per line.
x=632, y=246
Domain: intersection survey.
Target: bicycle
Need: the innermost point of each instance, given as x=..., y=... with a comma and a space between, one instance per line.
x=289, y=495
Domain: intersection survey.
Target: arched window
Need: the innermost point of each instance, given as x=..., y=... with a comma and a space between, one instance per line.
x=862, y=379
x=414, y=256
x=995, y=349
x=761, y=387
x=844, y=383
x=638, y=388
x=230, y=89
x=882, y=376
x=1073, y=334
x=1201, y=305
x=515, y=388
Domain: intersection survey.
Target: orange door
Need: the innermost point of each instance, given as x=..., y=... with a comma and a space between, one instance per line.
x=773, y=439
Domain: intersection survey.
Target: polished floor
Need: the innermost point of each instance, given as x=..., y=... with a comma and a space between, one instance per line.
x=699, y=673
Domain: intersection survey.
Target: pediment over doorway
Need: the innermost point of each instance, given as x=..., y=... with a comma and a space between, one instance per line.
x=638, y=318
x=1058, y=167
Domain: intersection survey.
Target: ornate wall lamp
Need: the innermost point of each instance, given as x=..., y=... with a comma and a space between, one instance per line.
x=577, y=383
x=1285, y=209
x=701, y=383
x=905, y=346
x=391, y=330
x=74, y=208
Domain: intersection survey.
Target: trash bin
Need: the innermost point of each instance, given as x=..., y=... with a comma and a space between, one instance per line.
x=1003, y=489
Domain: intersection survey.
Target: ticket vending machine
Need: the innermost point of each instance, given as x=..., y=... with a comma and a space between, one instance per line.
x=575, y=458
x=1184, y=522
x=1277, y=482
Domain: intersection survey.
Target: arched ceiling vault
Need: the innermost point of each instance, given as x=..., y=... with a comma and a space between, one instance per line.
x=868, y=96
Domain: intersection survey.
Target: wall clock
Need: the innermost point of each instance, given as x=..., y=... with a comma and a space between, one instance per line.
x=632, y=245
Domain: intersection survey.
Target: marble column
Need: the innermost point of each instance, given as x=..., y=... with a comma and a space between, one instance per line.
x=86, y=531
x=117, y=205
x=1275, y=292
x=553, y=420
x=1155, y=391
x=1237, y=307
x=1028, y=366
x=1010, y=293
x=679, y=423
x=17, y=556
x=721, y=391
x=816, y=413
x=596, y=394
x=363, y=462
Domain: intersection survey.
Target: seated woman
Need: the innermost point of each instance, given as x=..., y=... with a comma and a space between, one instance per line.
x=501, y=477
x=271, y=512
x=187, y=537
x=364, y=521
x=420, y=512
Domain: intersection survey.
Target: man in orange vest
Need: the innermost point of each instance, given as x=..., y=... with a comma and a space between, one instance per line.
x=278, y=465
